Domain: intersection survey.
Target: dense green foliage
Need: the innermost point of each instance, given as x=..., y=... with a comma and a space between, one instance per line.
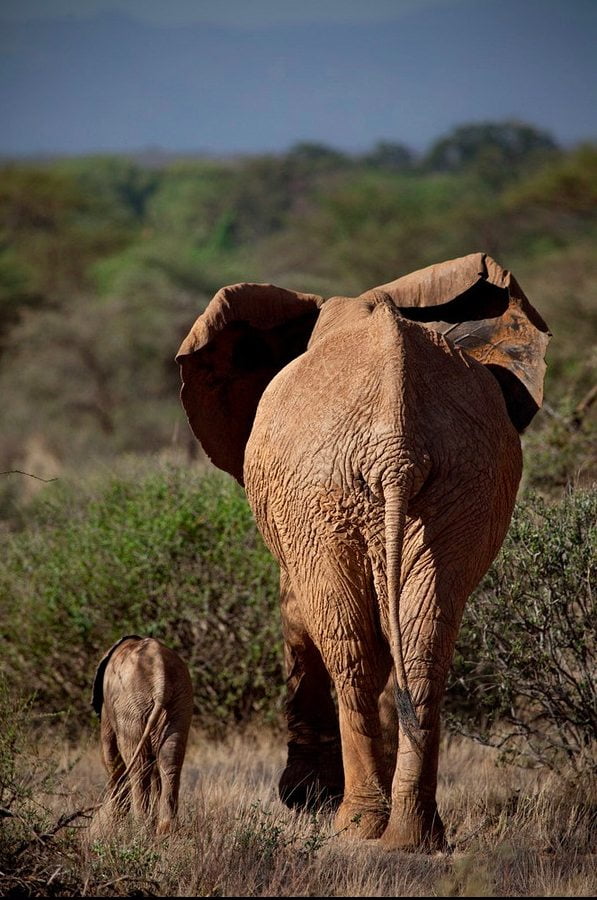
x=105, y=263
x=161, y=552
x=524, y=673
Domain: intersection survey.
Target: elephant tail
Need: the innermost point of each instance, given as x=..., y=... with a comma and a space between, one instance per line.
x=397, y=488
x=149, y=726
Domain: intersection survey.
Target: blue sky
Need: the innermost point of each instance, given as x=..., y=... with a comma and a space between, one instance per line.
x=251, y=13
x=247, y=76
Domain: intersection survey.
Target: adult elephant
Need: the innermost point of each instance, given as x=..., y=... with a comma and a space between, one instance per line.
x=377, y=438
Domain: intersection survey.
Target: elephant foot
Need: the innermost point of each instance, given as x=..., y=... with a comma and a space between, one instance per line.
x=365, y=811
x=362, y=820
x=415, y=828
x=313, y=777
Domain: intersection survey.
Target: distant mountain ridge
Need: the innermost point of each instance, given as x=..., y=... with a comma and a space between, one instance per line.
x=111, y=83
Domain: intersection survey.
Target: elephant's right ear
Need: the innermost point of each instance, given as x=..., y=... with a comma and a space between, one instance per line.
x=481, y=309
x=246, y=335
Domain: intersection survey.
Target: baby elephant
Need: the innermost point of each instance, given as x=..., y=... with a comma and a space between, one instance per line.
x=143, y=695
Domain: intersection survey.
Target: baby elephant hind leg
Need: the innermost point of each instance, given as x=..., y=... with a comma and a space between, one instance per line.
x=114, y=764
x=170, y=757
x=140, y=777
x=117, y=796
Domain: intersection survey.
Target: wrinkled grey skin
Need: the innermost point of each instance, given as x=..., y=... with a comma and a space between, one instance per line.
x=143, y=694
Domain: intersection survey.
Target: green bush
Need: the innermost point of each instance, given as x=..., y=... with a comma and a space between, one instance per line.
x=524, y=672
x=173, y=552
x=165, y=552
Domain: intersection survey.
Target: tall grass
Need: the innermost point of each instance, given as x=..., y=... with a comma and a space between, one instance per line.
x=514, y=833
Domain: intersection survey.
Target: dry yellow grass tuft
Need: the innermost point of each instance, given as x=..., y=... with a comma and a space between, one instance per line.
x=515, y=833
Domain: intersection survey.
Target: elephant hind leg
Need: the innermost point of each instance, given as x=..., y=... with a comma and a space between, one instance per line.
x=119, y=797
x=140, y=781
x=169, y=762
x=429, y=628
x=340, y=605
x=313, y=776
x=447, y=559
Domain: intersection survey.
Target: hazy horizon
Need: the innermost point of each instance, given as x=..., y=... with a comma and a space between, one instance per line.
x=213, y=78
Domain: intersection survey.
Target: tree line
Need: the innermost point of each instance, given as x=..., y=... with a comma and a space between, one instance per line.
x=106, y=260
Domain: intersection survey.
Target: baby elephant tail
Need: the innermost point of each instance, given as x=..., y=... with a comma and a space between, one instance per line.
x=151, y=723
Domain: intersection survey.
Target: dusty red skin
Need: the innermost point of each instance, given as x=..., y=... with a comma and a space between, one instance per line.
x=380, y=454
x=143, y=694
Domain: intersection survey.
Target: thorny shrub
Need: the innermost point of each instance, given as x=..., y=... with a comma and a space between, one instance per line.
x=524, y=672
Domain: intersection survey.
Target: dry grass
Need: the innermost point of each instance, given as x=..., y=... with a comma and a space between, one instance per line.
x=514, y=832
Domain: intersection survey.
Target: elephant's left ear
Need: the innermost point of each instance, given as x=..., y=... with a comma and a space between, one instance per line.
x=481, y=309
x=97, y=690
x=246, y=335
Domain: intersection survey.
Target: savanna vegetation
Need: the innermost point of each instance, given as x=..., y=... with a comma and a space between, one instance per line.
x=104, y=264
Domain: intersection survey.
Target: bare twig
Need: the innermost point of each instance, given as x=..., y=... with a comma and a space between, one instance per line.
x=45, y=836
x=29, y=475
